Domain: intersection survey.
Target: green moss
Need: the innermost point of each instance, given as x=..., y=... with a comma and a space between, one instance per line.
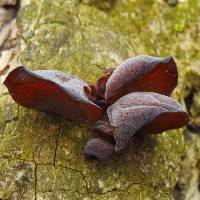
x=83, y=39
x=105, y=5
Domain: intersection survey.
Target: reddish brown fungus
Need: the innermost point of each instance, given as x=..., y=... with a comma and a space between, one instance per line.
x=53, y=91
x=164, y=122
x=100, y=149
x=105, y=131
x=144, y=111
x=142, y=73
x=104, y=127
x=137, y=86
x=93, y=91
x=101, y=83
x=102, y=104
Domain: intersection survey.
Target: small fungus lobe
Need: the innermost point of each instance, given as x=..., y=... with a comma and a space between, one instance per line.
x=101, y=83
x=105, y=131
x=100, y=149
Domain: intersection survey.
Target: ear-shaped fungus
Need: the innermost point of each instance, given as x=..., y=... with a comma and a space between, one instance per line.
x=142, y=73
x=53, y=91
x=147, y=111
x=100, y=149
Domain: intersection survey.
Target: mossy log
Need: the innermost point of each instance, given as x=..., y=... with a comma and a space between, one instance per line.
x=41, y=155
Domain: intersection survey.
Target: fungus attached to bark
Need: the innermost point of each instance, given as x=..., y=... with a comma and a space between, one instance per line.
x=145, y=112
x=142, y=73
x=141, y=113
x=100, y=149
x=135, y=91
x=53, y=91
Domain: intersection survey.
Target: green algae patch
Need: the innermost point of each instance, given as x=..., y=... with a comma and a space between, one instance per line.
x=83, y=38
x=59, y=179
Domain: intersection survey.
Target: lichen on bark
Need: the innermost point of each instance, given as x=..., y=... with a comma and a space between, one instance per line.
x=83, y=39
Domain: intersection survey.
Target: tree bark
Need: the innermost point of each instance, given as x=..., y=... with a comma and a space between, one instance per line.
x=41, y=155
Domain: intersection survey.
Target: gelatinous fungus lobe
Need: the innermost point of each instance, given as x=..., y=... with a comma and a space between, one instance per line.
x=146, y=112
x=105, y=131
x=53, y=91
x=101, y=83
x=142, y=73
x=100, y=149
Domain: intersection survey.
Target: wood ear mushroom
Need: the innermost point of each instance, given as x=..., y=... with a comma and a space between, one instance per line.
x=53, y=91
x=142, y=73
x=133, y=99
x=141, y=112
x=151, y=112
x=137, y=91
x=100, y=149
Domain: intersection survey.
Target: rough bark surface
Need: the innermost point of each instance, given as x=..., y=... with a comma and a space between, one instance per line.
x=8, y=2
x=41, y=156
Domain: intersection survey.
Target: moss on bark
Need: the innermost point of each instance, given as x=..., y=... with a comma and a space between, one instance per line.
x=83, y=39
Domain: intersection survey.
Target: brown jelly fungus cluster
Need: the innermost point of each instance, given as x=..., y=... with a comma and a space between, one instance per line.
x=132, y=98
